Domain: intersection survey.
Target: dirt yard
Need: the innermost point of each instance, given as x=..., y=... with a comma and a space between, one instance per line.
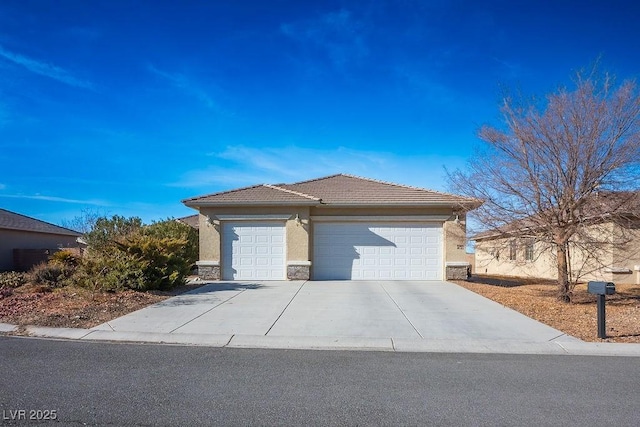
x=536, y=299
x=74, y=307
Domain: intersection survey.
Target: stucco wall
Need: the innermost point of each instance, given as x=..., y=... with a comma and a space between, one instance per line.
x=455, y=240
x=627, y=256
x=300, y=233
x=492, y=257
x=297, y=232
x=14, y=239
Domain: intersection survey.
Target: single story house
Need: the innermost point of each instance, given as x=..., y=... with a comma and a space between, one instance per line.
x=339, y=227
x=608, y=249
x=26, y=241
x=191, y=221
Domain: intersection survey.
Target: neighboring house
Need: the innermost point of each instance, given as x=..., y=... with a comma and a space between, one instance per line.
x=25, y=241
x=191, y=221
x=340, y=227
x=612, y=255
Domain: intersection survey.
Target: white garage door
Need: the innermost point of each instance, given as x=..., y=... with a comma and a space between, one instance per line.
x=371, y=251
x=253, y=250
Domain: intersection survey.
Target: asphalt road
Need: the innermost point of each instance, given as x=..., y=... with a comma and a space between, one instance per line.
x=89, y=383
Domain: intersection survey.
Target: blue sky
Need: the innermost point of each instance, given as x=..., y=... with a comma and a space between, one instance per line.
x=127, y=107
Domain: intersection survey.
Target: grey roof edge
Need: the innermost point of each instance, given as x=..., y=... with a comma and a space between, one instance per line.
x=263, y=203
x=297, y=193
x=235, y=190
x=190, y=201
x=63, y=230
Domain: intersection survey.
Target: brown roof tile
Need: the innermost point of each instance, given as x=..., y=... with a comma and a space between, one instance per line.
x=263, y=194
x=191, y=220
x=340, y=190
x=14, y=221
x=350, y=190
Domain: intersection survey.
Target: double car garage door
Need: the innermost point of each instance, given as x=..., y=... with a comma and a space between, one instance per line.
x=341, y=251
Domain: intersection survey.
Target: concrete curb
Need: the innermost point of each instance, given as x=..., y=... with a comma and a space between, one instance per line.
x=558, y=346
x=311, y=343
x=6, y=327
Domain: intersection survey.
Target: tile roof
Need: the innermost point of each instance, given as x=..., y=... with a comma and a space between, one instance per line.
x=598, y=208
x=336, y=190
x=191, y=221
x=14, y=221
x=345, y=189
x=263, y=194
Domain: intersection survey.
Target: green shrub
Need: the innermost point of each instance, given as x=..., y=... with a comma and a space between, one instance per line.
x=12, y=279
x=48, y=274
x=110, y=270
x=139, y=262
x=161, y=259
x=172, y=229
x=65, y=258
x=107, y=230
x=124, y=254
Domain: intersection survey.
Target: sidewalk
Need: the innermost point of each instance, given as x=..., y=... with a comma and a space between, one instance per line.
x=558, y=346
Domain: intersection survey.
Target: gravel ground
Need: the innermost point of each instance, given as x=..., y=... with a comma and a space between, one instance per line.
x=537, y=299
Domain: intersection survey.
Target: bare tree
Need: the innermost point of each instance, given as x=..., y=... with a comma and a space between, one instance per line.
x=543, y=173
x=84, y=222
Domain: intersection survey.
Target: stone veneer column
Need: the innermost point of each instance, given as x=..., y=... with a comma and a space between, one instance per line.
x=457, y=270
x=298, y=270
x=208, y=270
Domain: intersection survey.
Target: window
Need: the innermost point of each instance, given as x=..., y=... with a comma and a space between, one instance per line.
x=512, y=250
x=528, y=250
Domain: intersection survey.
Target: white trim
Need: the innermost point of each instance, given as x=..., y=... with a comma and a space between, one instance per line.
x=381, y=218
x=298, y=263
x=456, y=264
x=617, y=270
x=266, y=217
x=207, y=263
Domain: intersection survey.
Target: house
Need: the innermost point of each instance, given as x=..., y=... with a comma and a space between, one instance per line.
x=26, y=241
x=612, y=254
x=191, y=221
x=339, y=227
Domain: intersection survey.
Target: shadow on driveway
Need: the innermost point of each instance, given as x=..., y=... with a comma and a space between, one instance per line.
x=224, y=286
x=207, y=294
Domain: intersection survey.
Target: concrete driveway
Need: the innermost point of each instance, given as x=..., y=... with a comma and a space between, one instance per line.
x=361, y=309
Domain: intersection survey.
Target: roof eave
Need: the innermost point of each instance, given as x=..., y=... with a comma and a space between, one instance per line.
x=452, y=205
x=70, y=233
x=196, y=204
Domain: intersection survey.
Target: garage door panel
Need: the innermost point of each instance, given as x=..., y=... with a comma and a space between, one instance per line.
x=370, y=251
x=253, y=251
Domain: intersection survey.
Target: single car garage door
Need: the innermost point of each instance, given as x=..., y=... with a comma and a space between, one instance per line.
x=253, y=250
x=371, y=251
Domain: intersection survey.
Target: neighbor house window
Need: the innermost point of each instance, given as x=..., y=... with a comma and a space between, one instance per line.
x=512, y=250
x=528, y=250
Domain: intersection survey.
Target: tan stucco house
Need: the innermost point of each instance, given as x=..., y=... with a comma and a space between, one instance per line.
x=25, y=241
x=339, y=227
x=612, y=254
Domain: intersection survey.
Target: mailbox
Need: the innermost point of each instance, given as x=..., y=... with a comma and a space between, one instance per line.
x=601, y=288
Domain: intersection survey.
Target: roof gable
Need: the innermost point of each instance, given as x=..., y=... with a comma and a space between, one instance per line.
x=14, y=221
x=343, y=189
x=334, y=190
x=263, y=194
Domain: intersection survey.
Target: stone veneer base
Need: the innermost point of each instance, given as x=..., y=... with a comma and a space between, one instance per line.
x=209, y=272
x=298, y=272
x=457, y=272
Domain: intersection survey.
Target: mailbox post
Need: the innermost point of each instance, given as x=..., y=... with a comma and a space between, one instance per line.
x=601, y=289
